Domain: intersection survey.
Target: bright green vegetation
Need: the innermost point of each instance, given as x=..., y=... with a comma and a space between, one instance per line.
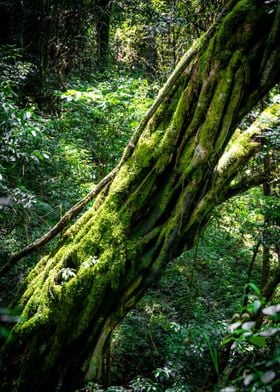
x=45, y=158
x=183, y=319
x=211, y=304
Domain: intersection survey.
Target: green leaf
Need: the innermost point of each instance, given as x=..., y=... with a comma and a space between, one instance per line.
x=234, y=326
x=256, y=306
x=227, y=340
x=268, y=376
x=258, y=341
x=271, y=310
x=248, y=379
x=4, y=332
x=248, y=325
x=269, y=332
x=254, y=288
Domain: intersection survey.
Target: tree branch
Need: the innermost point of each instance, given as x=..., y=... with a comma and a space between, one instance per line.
x=60, y=225
x=244, y=185
x=239, y=153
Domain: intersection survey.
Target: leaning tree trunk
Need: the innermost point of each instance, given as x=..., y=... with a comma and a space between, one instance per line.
x=154, y=209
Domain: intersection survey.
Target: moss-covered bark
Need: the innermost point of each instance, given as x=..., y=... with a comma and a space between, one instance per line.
x=155, y=207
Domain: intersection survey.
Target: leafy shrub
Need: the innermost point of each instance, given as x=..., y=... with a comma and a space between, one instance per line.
x=102, y=115
x=258, y=346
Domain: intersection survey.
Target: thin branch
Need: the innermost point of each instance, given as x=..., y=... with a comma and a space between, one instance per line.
x=249, y=273
x=244, y=185
x=60, y=225
x=238, y=155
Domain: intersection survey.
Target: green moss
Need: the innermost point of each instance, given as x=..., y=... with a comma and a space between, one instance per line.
x=245, y=144
x=148, y=147
x=30, y=325
x=48, y=295
x=213, y=98
x=172, y=133
x=186, y=157
x=80, y=224
x=243, y=14
x=206, y=59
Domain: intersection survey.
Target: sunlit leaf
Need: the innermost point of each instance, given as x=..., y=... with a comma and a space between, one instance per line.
x=248, y=379
x=271, y=310
x=234, y=326
x=256, y=305
x=255, y=288
x=248, y=325
x=268, y=376
x=269, y=332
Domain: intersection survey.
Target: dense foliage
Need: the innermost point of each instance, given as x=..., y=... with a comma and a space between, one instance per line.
x=62, y=137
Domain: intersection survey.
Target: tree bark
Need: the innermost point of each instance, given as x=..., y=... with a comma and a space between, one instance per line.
x=103, y=15
x=155, y=208
x=249, y=274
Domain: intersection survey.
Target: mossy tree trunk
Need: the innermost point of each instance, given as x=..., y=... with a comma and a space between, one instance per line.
x=155, y=208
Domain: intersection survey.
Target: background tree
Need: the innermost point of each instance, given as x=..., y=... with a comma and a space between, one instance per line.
x=154, y=34
x=102, y=22
x=53, y=35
